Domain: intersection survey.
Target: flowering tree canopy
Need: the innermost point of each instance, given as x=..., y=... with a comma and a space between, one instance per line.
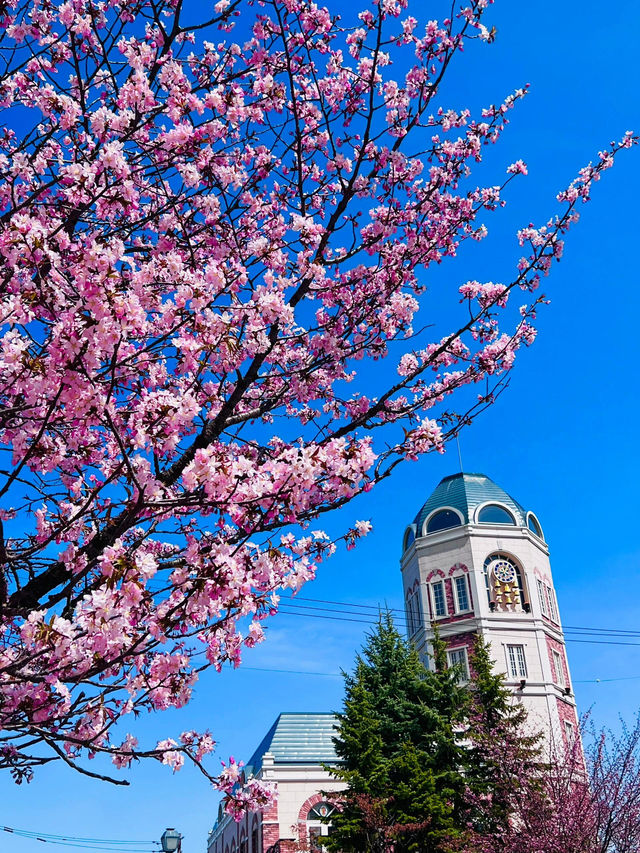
x=203, y=241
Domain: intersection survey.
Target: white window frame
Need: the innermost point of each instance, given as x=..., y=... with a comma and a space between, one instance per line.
x=414, y=612
x=553, y=607
x=558, y=668
x=464, y=678
x=542, y=597
x=456, y=598
x=569, y=733
x=516, y=663
x=433, y=599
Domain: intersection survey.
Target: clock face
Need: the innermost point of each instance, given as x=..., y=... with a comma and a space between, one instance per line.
x=504, y=571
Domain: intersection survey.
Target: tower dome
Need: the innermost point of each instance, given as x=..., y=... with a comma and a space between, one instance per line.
x=469, y=499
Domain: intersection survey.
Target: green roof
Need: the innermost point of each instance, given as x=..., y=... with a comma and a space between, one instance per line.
x=466, y=492
x=298, y=738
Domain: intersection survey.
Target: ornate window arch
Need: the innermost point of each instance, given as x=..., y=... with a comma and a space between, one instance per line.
x=506, y=584
x=461, y=588
x=314, y=813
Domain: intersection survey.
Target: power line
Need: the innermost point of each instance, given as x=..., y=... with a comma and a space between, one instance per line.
x=293, y=671
x=303, y=610
x=379, y=609
x=110, y=844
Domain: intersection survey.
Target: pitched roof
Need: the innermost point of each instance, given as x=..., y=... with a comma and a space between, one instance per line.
x=298, y=738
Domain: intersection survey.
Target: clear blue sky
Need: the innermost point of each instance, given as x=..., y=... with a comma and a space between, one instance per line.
x=562, y=439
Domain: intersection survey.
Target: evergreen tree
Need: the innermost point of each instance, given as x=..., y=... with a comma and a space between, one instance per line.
x=503, y=760
x=401, y=755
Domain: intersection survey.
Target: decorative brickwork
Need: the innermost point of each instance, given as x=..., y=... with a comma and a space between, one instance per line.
x=556, y=646
x=308, y=804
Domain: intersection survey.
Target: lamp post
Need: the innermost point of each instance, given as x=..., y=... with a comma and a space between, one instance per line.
x=171, y=841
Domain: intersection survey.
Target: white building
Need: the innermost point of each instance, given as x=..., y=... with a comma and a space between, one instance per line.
x=476, y=562
x=291, y=755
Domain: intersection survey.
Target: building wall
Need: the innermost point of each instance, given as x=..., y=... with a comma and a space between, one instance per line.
x=298, y=788
x=464, y=549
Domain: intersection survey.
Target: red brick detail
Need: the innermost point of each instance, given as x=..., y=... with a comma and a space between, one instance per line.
x=308, y=804
x=567, y=713
x=436, y=573
x=458, y=567
x=464, y=638
x=270, y=826
x=448, y=591
x=556, y=646
x=457, y=617
x=272, y=812
x=270, y=834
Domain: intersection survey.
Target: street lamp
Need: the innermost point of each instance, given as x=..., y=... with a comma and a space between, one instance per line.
x=170, y=841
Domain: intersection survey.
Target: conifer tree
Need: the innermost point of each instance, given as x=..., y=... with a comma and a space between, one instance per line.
x=503, y=760
x=400, y=752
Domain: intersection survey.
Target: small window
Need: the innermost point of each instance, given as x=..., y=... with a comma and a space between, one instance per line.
x=494, y=514
x=569, y=734
x=458, y=658
x=516, y=662
x=409, y=538
x=534, y=525
x=542, y=598
x=414, y=612
x=558, y=668
x=462, y=594
x=439, y=601
x=553, y=608
x=320, y=811
x=443, y=520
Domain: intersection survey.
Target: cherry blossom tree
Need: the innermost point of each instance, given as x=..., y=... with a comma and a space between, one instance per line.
x=212, y=218
x=577, y=801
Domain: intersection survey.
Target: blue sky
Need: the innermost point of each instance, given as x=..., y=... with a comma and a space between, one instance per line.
x=561, y=439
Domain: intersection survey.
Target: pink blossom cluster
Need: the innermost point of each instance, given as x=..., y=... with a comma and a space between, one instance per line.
x=201, y=242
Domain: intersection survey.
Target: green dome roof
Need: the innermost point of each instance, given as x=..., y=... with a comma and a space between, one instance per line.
x=466, y=492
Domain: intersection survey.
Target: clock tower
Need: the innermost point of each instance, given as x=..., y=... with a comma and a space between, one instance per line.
x=475, y=562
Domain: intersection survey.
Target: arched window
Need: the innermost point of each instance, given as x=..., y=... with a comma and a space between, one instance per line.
x=443, y=520
x=495, y=514
x=409, y=537
x=534, y=525
x=317, y=828
x=506, y=588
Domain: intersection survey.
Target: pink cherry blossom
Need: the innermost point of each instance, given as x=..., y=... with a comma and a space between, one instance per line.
x=203, y=242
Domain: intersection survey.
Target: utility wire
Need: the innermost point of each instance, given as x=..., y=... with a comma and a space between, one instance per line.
x=303, y=610
x=115, y=845
x=341, y=606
